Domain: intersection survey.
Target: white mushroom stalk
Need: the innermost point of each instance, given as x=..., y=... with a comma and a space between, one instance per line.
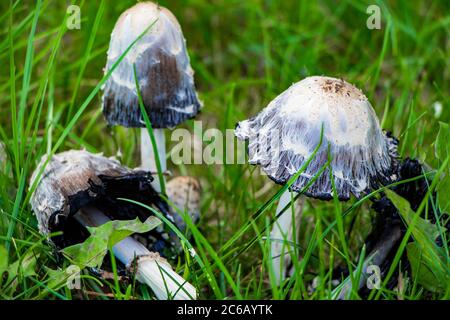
x=148, y=157
x=163, y=74
x=282, y=235
x=284, y=135
x=151, y=269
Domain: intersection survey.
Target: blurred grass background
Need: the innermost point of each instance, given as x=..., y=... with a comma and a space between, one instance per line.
x=244, y=53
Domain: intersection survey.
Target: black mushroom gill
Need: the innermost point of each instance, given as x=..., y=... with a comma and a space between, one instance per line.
x=75, y=179
x=283, y=136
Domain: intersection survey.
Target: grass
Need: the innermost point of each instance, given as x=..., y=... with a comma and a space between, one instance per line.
x=244, y=53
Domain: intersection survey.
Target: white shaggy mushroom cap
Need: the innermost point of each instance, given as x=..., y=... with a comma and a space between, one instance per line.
x=76, y=178
x=164, y=73
x=284, y=135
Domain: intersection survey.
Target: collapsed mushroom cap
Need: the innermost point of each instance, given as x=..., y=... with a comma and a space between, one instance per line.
x=284, y=135
x=74, y=179
x=185, y=193
x=166, y=79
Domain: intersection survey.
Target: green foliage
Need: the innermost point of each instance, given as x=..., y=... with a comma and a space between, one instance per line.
x=91, y=252
x=244, y=53
x=429, y=263
x=435, y=280
x=3, y=260
x=59, y=277
x=442, y=151
x=21, y=269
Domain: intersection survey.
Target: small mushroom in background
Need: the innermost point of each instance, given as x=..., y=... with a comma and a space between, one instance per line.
x=79, y=188
x=164, y=74
x=363, y=157
x=185, y=193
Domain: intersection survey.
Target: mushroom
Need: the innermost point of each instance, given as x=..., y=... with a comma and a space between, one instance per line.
x=164, y=74
x=388, y=229
x=363, y=157
x=80, y=187
x=184, y=192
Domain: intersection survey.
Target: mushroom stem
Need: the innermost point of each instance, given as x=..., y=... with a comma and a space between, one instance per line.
x=148, y=157
x=376, y=257
x=150, y=268
x=282, y=235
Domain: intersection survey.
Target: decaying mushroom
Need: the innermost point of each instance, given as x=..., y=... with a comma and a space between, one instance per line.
x=80, y=187
x=363, y=157
x=388, y=227
x=184, y=192
x=164, y=74
x=380, y=251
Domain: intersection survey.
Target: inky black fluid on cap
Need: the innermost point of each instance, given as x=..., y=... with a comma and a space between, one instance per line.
x=283, y=136
x=77, y=178
x=166, y=79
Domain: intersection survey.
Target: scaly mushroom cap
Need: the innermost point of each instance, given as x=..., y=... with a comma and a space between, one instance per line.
x=284, y=135
x=164, y=73
x=77, y=178
x=185, y=193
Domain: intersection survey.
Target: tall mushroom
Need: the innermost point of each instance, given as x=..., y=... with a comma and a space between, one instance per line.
x=80, y=187
x=164, y=74
x=363, y=157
